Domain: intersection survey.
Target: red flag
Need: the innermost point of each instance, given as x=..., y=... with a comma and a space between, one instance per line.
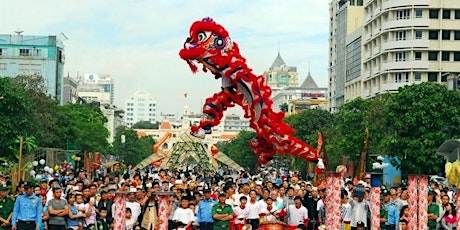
x=185, y=95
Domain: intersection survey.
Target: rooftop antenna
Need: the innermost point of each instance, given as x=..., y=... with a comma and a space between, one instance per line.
x=64, y=36
x=18, y=31
x=279, y=46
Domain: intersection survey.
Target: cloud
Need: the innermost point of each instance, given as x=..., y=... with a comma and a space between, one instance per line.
x=137, y=42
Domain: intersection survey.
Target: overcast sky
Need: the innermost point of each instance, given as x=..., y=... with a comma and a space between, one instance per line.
x=137, y=42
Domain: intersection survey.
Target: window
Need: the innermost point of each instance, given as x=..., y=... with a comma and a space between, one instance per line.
x=402, y=77
x=25, y=52
x=401, y=56
x=418, y=34
x=433, y=34
x=433, y=55
x=37, y=52
x=400, y=35
x=457, y=14
x=2, y=51
x=444, y=77
x=445, y=14
x=417, y=76
x=445, y=55
x=419, y=13
x=2, y=66
x=457, y=56
x=457, y=35
x=446, y=35
x=402, y=14
x=434, y=14
x=433, y=77
x=418, y=55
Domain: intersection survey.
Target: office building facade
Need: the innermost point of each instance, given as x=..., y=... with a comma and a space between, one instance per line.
x=346, y=16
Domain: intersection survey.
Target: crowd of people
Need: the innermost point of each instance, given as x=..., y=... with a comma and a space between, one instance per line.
x=225, y=199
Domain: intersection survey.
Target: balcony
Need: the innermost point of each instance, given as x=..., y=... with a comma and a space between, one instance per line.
x=417, y=64
x=406, y=23
x=400, y=3
x=367, y=55
x=368, y=18
x=393, y=86
x=414, y=43
x=376, y=30
x=376, y=50
x=376, y=11
x=375, y=90
x=367, y=36
x=375, y=70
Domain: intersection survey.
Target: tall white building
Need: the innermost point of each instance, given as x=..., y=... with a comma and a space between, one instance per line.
x=346, y=16
x=407, y=42
x=140, y=107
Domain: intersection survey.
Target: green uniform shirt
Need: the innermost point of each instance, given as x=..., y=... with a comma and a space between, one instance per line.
x=383, y=214
x=433, y=208
x=218, y=209
x=6, y=208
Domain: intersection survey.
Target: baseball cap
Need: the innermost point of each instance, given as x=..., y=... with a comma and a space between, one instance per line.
x=3, y=187
x=360, y=224
x=222, y=194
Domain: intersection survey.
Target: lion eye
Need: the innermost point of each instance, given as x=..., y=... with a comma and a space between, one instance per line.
x=202, y=36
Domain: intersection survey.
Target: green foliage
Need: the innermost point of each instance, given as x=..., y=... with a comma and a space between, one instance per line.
x=145, y=125
x=26, y=111
x=238, y=150
x=422, y=117
x=15, y=111
x=85, y=127
x=135, y=149
x=284, y=107
x=307, y=124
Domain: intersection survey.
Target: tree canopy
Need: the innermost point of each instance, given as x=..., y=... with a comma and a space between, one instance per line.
x=25, y=110
x=134, y=149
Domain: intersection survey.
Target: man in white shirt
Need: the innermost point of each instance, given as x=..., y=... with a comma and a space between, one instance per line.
x=133, y=204
x=298, y=214
x=240, y=213
x=184, y=216
x=253, y=210
x=359, y=209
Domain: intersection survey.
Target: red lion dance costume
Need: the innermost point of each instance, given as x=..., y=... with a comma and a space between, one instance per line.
x=209, y=44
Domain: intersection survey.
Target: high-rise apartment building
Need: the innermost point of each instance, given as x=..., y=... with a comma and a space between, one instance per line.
x=34, y=55
x=346, y=16
x=141, y=106
x=407, y=42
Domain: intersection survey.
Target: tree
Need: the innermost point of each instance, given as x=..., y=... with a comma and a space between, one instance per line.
x=15, y=111
x=238, y=149
x=422, y=117
x=307, y=124
x=284, y=107
x=84, y=127
x=144, y=125
x=134, y=149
